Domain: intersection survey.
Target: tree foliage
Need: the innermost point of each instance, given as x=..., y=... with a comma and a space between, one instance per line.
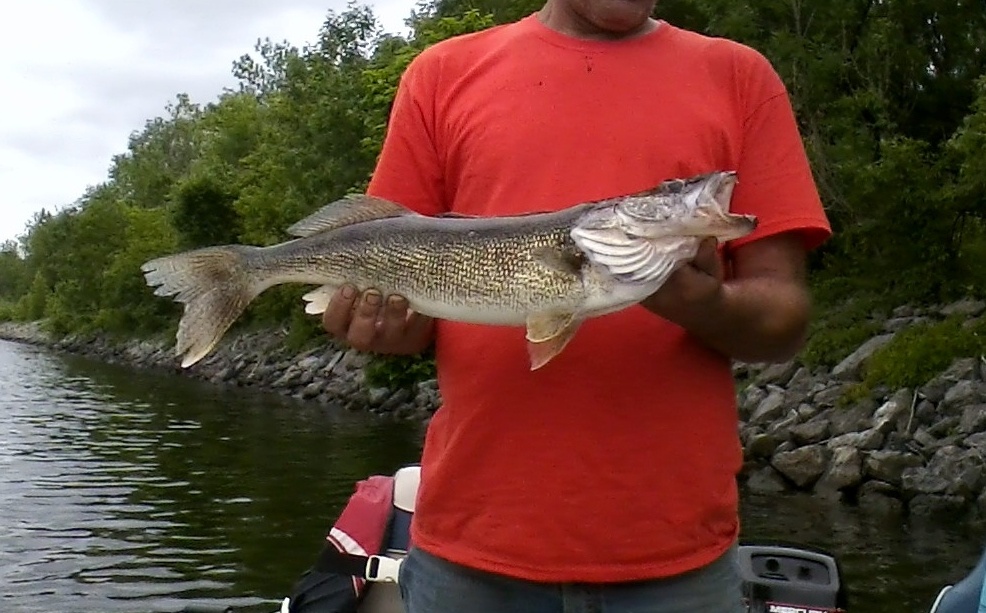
x=890, y=96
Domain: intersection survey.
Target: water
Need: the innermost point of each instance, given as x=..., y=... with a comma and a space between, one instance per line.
x=136, y=492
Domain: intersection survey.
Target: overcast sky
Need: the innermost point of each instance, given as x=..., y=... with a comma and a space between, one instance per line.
x=78, y=76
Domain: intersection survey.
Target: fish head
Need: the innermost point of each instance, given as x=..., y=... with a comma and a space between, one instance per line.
x=697, y=207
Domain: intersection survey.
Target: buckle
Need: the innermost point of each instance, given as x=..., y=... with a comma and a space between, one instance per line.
x=382, y=569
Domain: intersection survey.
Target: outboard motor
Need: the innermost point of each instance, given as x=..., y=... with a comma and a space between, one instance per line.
x=785, y=578
x=966, y=596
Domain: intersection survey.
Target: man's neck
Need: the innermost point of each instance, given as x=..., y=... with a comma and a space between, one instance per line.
x=570, y=23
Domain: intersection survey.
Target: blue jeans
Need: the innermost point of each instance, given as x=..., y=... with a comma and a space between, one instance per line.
x=432, y=585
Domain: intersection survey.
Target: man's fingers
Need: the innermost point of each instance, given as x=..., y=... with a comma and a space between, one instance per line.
x=363, y=326
x=707, y=259
x=393, y=318
x=338, y=313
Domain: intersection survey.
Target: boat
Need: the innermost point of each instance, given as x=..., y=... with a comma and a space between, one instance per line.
x=358, y=570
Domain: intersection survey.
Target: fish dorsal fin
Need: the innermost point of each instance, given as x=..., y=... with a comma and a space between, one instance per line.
x=547, y=335
x=347, y=210
x=634, y=259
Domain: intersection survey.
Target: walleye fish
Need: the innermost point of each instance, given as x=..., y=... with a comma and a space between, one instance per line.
x=547, y=272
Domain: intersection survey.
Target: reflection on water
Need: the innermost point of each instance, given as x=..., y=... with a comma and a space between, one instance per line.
x=139, y=492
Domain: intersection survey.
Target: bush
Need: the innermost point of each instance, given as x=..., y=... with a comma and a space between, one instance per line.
x=921, y=352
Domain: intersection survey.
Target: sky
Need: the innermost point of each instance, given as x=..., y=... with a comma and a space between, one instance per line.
x=78, y=76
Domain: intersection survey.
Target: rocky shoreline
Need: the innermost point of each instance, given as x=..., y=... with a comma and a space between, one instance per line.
x=918, y=452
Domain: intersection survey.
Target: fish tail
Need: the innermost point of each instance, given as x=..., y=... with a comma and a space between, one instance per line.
x=215, y=284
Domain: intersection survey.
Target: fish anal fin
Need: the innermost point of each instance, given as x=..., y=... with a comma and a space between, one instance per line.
x=566, y=262
x=317, y=300
x=355, y=208
x=548, y=334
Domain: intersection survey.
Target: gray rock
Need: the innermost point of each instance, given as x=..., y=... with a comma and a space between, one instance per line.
x=865, y=440
x=845, y=470
x=814, y=431
x=806, y=412
x=850, y=367
x=777, y=374
x=904, y=310
x=964, y=393
x=801, y=381
x=879, y=497
x=893, y=414
x=951, y=471
x=936, y=507
x=967, y=307
x=377, y=395
x=853, y=419
x=771, y=408
x=945, y=426
x=962, y=369
x=976, y=441
x=896, y=324
x=762, y=445
x=765, y=481
x=889, y=466
x=830, y=395
x=749, y=399
x=803, y=466
x=973, y=419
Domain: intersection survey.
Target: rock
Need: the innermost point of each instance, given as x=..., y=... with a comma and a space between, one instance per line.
x=762, y=445
x=936, y=507
x=749, y=399
x=976, y=441
x=973, y=419
x=951, y=471
x=771, y=408
x=376, y=396
x=777, y=374
x=803, y=466
x=830, y=395
x=311, y=390
x=814, y=431
x=853, y=419
x=944, y=426
x=889, y=466
x=806, y=412
x=880, y=497
x=865, y=440
x=801, y=381
x=966, y=307
x=850, y=367
x=765, y=481
x=893, y=414
x=962, y=369
x=845, y=470
x=964, y=393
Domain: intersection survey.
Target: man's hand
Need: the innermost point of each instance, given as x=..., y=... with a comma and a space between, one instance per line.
x=694, y=288
x=369, y=323
x=759, y=314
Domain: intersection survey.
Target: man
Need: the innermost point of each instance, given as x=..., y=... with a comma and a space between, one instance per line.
x=604, y=481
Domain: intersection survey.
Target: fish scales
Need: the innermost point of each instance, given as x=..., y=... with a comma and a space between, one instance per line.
x=467, y=262
x=547, y=272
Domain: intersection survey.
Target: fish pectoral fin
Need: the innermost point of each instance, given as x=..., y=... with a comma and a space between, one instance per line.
x=565, y=262
x=348, y=210
x=548, y=334
x=318, y=299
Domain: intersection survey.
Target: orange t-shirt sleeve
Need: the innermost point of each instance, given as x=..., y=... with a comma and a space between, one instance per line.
x=775, y=178
x=409, y=169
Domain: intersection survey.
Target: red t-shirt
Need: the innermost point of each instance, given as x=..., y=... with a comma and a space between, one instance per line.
x=617, y=460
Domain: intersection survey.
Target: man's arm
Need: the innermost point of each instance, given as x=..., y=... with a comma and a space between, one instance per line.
x=759, y=314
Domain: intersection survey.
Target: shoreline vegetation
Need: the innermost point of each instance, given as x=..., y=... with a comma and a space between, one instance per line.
x=840, y=431
x=885, y=407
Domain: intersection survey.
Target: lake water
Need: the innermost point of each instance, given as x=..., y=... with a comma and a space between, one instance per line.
x=126, y=491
